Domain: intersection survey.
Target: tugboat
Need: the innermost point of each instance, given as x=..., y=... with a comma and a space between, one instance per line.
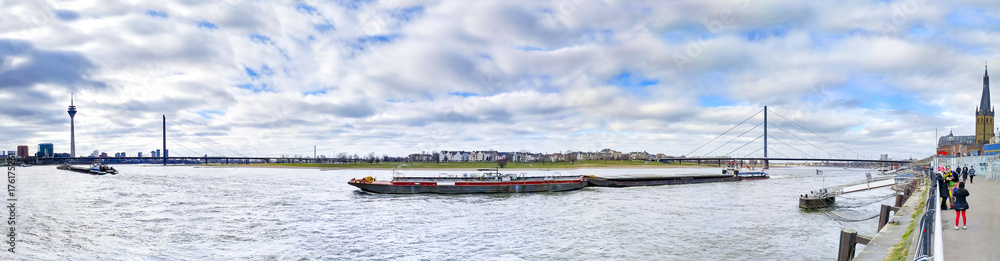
x=96, y=168
x=733, y=168
x=489, y=182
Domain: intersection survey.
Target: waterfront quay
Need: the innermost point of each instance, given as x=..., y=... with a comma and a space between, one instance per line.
x=979, y=241
x=975, y=243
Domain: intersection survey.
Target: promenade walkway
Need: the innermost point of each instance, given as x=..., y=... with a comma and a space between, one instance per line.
x=982, y=240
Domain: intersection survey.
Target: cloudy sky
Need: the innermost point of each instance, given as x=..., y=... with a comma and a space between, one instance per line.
x=847, y=79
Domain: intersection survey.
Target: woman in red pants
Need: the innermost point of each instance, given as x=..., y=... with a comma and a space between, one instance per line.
x=960, y=204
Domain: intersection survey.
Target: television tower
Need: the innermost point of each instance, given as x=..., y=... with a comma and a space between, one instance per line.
x=72, y=134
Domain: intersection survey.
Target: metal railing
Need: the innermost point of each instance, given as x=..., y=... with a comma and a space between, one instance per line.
x=925, y=241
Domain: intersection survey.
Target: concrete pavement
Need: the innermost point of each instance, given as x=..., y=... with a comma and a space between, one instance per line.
x=982, y=240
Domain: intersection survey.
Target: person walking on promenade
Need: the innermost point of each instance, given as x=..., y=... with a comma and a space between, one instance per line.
x=961, y=205
x=965, y=173
x=972, y=174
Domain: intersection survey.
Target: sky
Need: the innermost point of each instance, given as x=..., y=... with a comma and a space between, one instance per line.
x=842, y=79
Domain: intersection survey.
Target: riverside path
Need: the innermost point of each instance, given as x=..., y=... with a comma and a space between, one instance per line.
x=980, y=241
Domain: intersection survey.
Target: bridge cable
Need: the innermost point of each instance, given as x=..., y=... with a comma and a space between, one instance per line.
x=779, y=153
x=733, y=139
x=745, y=144
x=821, y=136
x=117, y=135
x=790, y=146
x=758, y=149
x=196, y=143
x=806, y=141
x=724, y=133
x=182, y=146
x=191, y=132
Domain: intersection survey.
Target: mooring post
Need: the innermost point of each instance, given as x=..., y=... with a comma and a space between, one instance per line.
x=847, y=243
x=899, y=200
x=883, y=215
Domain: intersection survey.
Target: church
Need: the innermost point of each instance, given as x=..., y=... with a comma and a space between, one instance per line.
x=973, y=145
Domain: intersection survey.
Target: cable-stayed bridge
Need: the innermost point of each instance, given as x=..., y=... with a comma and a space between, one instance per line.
x=751, y=144
x=730, y=146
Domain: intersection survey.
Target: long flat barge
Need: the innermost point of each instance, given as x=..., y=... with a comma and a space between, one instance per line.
x=466, y=185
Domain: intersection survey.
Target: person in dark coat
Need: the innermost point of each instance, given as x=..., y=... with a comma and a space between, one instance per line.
x=972, y=174
x=965, y=173
x=961, y=205
x=942, y=190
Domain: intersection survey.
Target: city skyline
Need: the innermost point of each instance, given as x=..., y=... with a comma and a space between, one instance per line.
x=397, y=78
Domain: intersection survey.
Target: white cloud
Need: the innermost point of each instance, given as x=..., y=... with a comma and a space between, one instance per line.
x=392, y=77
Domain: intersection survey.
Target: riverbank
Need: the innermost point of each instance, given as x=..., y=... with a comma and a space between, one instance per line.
x=480, y=165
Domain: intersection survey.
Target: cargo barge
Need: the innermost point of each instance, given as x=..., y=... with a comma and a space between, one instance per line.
x=467, y=184
x=94, y=169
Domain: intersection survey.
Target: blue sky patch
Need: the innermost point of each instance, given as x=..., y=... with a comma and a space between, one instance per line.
x=210, y=114
x=875, y=94
x=408, y=14
x=261, y=39
x=464, y=94
x=306, y=9
x=314, y=92
x=67, y=15
x=207, y=25
x=971, y=18
x=714, y=101
x=632, y=83
x=155, y=13
x=764, y=33
x=256, y=74
x=256, y=88
x=324, y=28
x=363, y=42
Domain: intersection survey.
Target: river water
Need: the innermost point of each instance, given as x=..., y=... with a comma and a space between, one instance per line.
x=218, y=213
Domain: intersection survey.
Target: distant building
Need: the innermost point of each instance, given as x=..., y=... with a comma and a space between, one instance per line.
x=95, y=154
x=44, y=150
x=139, y=154
x=972, y=145
x=958, y=145
x=22, y=151
x=61, y=155
x=11, y=153
x=104, y=154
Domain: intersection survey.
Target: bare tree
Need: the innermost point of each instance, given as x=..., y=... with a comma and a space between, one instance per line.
x=371, y=158
x=571, y=157
x=437, y=157
x=502, y=162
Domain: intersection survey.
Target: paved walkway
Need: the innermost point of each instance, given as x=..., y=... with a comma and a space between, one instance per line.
x=982, y=240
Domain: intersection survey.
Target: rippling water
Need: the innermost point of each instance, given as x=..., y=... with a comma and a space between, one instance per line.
x=206, y=213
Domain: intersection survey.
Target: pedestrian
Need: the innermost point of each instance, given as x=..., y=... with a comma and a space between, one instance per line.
x=965, y=173
x=961, y=205
x=972, y=174
x=942, y=190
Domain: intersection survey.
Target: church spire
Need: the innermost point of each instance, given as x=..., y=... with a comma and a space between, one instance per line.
x=984, y=104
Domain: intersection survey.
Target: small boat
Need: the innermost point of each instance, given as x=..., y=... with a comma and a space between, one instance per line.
x=490, y=182
x=733, y=168
x=96, y=168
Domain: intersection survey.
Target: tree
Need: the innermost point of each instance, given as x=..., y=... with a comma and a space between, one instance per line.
x=502, y=162
x=571, y=157
x=371, y=158
x=437, y=157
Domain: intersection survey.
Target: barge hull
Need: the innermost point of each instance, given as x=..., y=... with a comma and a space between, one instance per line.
x=389, y=188
x=672, y=180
